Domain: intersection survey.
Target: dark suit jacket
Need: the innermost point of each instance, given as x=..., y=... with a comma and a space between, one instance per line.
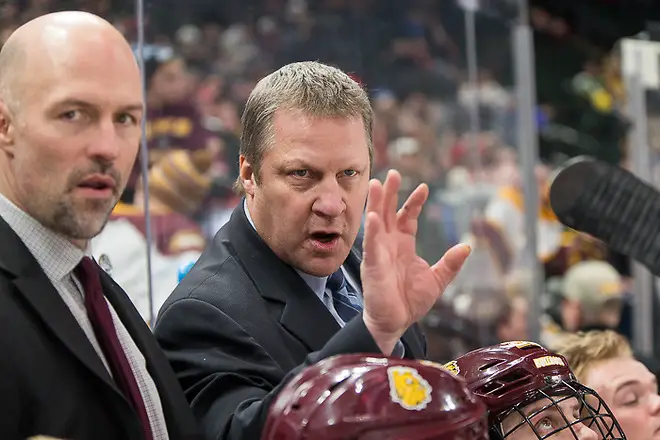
x=242, y=323
x=52, y=382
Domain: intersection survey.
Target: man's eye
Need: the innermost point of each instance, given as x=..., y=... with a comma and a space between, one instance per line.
x=630, y=400
x=350, y=173
x=300, y=173
x=126, y=119
x=71, y=115
x=545, y=425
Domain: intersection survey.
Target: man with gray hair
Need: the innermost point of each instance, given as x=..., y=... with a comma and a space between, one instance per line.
x=285, y=283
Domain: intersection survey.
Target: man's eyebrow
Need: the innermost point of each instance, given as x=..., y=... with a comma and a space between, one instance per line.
x=295, y=162
x=537, y=407
x=137, y=107
x=634, y=381
x=540, y=406
x=307, y=164
x=75, y=102
x=72, y=102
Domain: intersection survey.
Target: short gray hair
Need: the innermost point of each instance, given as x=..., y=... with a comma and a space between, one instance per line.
x=314, y=88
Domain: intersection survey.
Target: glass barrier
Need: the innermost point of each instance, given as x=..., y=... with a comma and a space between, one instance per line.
x=462, y=102
x=633, y=73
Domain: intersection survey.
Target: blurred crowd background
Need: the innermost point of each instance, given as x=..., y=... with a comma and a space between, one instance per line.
x=203, y=57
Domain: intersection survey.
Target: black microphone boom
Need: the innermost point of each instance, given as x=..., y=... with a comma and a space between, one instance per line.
x=612, y=205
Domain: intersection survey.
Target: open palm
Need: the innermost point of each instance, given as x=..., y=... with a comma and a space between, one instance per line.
x=399, y=286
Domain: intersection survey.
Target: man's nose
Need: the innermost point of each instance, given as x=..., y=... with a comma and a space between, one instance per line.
x=585, y=433
x=330, y=201
x=106, y=144
x=654, y=404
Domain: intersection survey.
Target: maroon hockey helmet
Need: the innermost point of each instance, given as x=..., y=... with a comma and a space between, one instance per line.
x=524, y=380
x=359, y=397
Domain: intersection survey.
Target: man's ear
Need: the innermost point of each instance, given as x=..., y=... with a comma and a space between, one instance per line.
x=7, y=127
x=246, y=173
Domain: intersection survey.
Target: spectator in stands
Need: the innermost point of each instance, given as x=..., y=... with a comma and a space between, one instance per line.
x=505, y=217
x=557, y=247
x=512, y=322
x=405, y=155
x=178, y=184
x=613, y=78
x=591, y=299
x=600, y=116
x=604, y=361
x=491, y=99
x=173, y=121
x=593, y=295
x=421, y=52
x=589, y=84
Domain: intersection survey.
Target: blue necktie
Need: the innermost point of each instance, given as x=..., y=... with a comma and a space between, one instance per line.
x=344, y=298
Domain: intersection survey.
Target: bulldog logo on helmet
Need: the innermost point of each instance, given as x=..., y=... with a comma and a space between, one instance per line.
x=452, y=367
x=408, y=388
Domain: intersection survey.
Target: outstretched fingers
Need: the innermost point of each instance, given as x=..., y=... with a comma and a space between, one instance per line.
x=375, y=198
x=391, y=199
x=450, y=264
x=373, y=228
x=408, y=215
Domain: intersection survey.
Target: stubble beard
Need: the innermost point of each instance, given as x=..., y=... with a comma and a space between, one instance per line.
x=80, y=222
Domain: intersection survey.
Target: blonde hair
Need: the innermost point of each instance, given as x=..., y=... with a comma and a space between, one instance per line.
x=313, y=88
x=585, y=349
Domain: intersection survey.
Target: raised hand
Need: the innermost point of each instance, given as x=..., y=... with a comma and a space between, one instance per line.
x=399, y=287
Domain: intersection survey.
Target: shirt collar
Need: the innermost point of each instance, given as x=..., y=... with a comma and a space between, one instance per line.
x=56, y=255
x=317, y=284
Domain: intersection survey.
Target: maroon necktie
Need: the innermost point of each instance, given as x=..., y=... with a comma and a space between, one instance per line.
x=104, y=328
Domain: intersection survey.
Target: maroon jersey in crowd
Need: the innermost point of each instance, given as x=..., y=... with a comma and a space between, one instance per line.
x=171, y=127
x=173, y=232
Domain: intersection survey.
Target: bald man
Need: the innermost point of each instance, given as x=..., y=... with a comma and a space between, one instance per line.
x=76, y=359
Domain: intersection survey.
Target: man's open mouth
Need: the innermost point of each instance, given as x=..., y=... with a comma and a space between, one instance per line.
x=324, y=237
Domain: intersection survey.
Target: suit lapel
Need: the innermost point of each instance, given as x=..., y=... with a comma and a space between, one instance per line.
x=36, y=289
x=179, y=419
x=303, y=315
x=46, y=302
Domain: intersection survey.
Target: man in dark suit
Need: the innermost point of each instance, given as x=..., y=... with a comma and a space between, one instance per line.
x=283, y=285
x=77, y=360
